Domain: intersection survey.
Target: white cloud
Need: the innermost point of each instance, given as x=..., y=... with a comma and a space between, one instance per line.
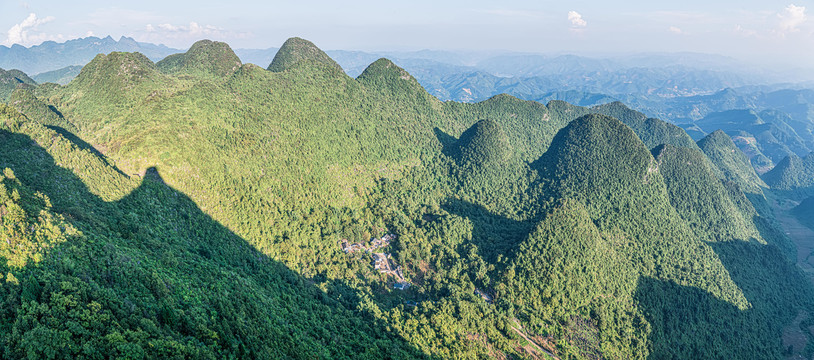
x=180, y=35
x=576, y=20
x=745, y=32
x=22, y=33
x=791, y=18
x=193, y=29
x=676, y=30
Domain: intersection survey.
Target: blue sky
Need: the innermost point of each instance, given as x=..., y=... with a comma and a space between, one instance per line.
x=766, y=31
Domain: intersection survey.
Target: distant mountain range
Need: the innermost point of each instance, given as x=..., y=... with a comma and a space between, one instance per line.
x=464, y=76
x=50, y=55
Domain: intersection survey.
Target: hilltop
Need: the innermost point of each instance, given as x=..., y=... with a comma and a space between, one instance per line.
x=207, y=57
x=792, y=174
x=296, y=50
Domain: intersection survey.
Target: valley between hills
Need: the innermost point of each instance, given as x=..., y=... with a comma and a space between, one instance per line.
x=203, y=207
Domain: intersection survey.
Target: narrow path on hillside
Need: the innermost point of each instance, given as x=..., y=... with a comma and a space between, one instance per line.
x=534, y=344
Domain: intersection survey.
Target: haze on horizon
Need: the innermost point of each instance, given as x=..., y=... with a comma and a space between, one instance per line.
x=768, y=32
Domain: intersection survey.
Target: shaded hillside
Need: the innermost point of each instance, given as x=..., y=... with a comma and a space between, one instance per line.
x=9, y=81
x=805, y=212
x=26, y=102
x=61, y=76
x=701, y=199
x=148, y=274
x=601, y=162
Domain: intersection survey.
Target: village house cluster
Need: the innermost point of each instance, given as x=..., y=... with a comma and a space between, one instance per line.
x=381, y=261
x=374, y=244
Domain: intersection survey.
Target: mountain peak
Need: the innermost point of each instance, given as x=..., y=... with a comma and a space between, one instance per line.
x=598, y=153
x=484, y=144
x=113, y=75
x=384, y=74
x=205, y=56
x=792, y=173
x=124, y=40
x=385, y=68
x=296, y=50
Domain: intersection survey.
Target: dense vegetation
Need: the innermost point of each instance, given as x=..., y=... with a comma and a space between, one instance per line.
x=793, y=174
x=733, y=163
x=140, y=272
x=524, y=229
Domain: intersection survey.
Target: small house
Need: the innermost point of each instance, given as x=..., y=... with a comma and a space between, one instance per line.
x=401, y=285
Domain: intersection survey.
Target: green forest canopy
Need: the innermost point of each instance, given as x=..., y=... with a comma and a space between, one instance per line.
x=585, y=242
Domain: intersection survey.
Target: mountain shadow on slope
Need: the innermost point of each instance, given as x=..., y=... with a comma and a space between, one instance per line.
x=701, y=326
x=152, y=276
x=493, y=234
x=26, y=102
x=9, y=79
x=699, y=196
x=805, y=212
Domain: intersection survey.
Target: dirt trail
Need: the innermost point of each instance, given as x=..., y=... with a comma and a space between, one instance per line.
x=537, y=347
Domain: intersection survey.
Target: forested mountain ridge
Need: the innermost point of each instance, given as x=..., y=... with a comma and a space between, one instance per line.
x=60, y=76
x=733, y=163
x=9, y=81
x=523, y=229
